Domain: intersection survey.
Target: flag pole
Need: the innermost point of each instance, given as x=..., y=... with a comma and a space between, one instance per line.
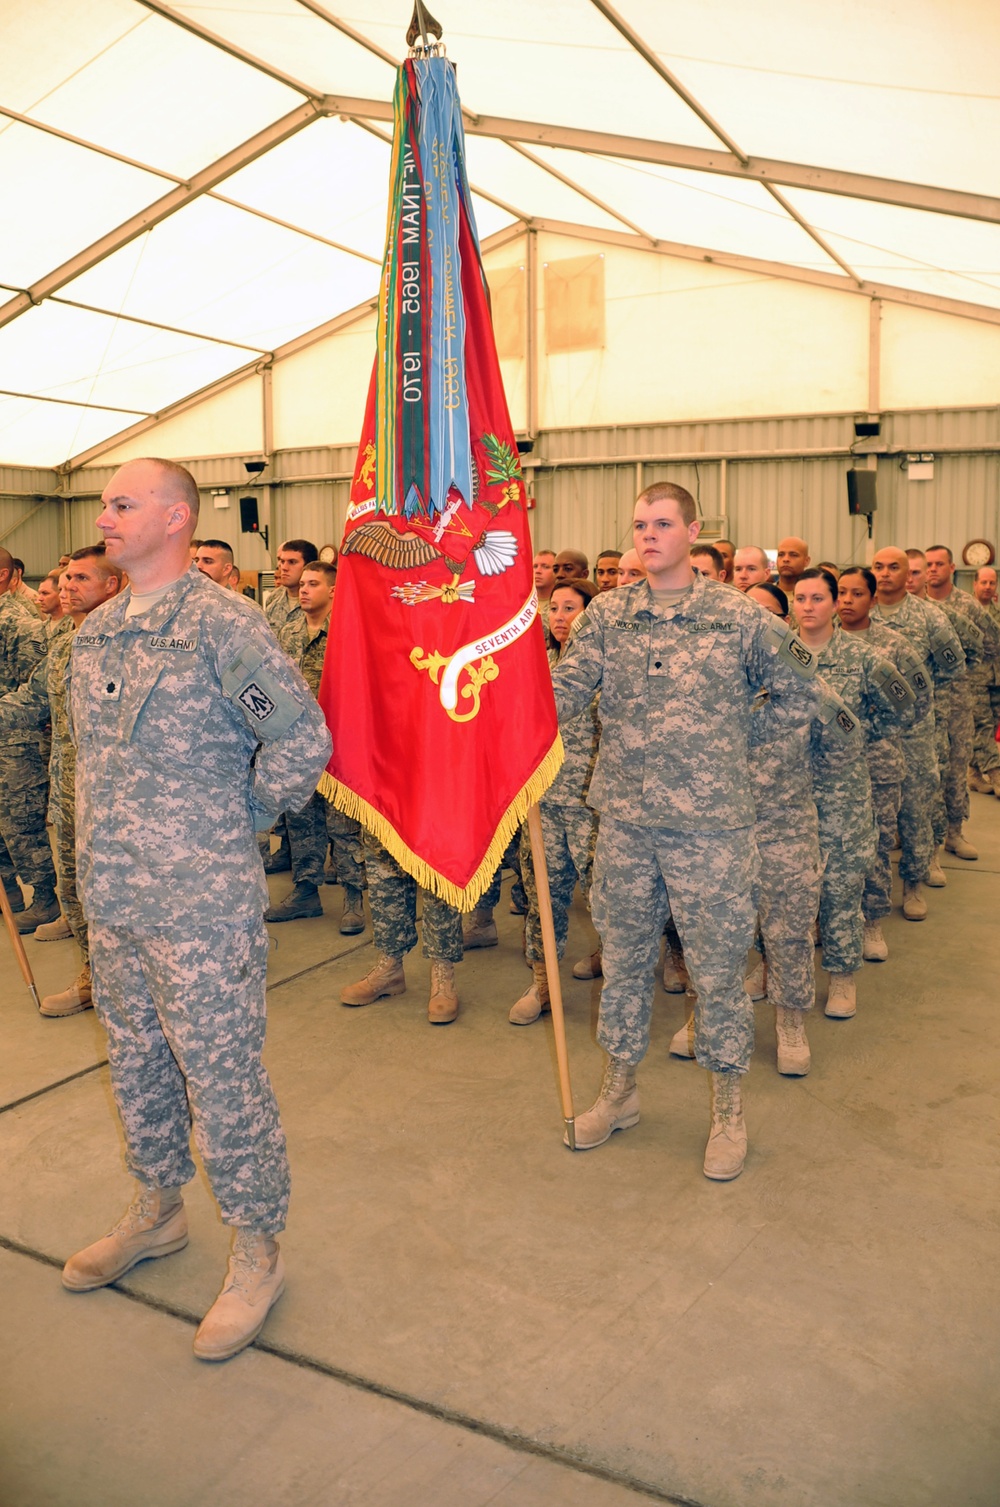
x=552, y=969
x=18, y=945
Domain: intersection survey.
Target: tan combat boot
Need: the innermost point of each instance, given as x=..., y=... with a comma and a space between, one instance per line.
x=936, y=876
x=615, y=1108
x=755, y=982
x=154, y=1224
x=535, y=999
x=682, y=1041
x=254, y=1282
x=727, y=1140
x=53, y=931
x=875, y=948
x=914, y=904
x=675, y=974
x=479, y=930
x=385, y=978
x=442, y=1007
x=794, y=1059
x=842, y=999
x=352, y=921
x=589, y=968
x=72, y=1000
x=981, y=784
x=959, y=845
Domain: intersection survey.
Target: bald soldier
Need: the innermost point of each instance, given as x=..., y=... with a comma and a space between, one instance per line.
x=192, y=729
x=630, y=568
x=793, y=559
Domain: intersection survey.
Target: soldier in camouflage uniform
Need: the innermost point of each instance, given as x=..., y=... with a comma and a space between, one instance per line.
x=24, y=843
x=939, y=651
x=392, y=895
x=569, y=826
x=44, y=698
x=284, y=613
x=878, y=696
x=678, y=660
x=887, y=755
x=192, y=728
x=981, y=642
x=984, y=771
x=305, y=642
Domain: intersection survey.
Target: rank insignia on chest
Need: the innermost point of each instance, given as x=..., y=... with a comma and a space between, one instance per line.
x=256, y=700
x=110, y=689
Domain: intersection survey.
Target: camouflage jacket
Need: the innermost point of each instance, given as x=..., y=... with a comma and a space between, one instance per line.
x=876, y=692
x=886, y=759
x=929, y=633
x=278, y=609
x=581, y=737
x=677, y=685
x=192, y=728
x=988, y=672
x=781, y=761
x=308, y=653
x=44, y=698
x=23, y=642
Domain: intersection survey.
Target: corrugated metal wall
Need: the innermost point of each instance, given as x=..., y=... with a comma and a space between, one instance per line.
x=781, y=476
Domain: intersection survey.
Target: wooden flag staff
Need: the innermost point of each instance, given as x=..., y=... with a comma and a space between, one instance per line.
x=552, y=969
x=18, y=946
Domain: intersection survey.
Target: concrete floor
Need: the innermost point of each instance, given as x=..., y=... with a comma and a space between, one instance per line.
x=474, y=1315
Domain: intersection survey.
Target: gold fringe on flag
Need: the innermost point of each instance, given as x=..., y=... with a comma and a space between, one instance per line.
x=355, y=806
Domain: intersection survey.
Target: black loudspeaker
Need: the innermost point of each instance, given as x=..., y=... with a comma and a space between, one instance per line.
x=250, y=517
x=861, y=498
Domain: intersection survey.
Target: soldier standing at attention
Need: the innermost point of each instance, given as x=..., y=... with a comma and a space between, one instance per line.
x=939, y=651
x=606, y=569
x=24, y=843
x=750, y=567
x=984, y=771
x=678, y=660
x=727, y=549
x=793, y=559
x=192, y=728
x=90, y=581
x=282, y=607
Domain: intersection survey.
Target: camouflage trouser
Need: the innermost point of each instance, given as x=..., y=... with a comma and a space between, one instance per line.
x=917, y=797
x=788, y=889
x=69, y=900
x=185, y=1016
x=985, y=716
x=24, y=793
x=847, y=843
x=307, y=840
x=346, y=847
x=710, y=877
x=264, y=838
x=955, y=738
x=877, y=899
x=510, y=860
x=392, y=895
x=570, y=836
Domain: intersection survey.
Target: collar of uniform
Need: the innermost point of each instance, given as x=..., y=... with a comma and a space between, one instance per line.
x=159, y=615
x=646, y=604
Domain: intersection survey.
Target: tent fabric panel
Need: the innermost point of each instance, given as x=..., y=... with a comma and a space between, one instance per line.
x=861, y=85
x=95, y=194
x=34, y=433
x=59, y=352
x=930, y=359
x=686, y=340
x=703, y=209
x=302, y=44
x=529, y=188
x=164, y=97
x=319, y=394
x=249, y=280
x=230, y=422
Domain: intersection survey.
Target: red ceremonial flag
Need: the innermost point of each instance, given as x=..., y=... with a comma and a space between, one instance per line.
x=436, y=685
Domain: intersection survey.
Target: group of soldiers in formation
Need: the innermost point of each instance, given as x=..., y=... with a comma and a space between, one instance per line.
x=744, y=744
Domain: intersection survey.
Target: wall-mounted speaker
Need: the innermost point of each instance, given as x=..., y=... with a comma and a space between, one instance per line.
x=861, y=499
x=249, y=516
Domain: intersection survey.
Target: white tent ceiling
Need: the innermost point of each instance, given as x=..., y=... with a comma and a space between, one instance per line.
x=187, y=186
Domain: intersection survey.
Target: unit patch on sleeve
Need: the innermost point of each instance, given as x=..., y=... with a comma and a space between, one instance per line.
x=256, y=700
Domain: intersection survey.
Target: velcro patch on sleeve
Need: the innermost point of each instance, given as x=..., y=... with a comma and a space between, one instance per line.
x=268, y=708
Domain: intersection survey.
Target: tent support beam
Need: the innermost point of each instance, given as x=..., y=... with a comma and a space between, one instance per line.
x=874, y=355
x=889, y=293
x=944, y=201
